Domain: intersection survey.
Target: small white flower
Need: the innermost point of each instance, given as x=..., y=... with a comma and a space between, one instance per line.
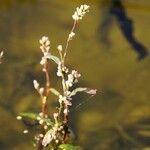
x=43, y=61
x=37, y=138
x=80, y=12
x=36, y=84
x=60, y=128
x=75, y=16
x=70, y=78
x=69, y=84
x=43, y=39
x=57, y=141
x=65, y=69
x=25, y=131
x=75, y=74
x=55, y=115
x=41, y=91
x=59, y=70
x=60, y=48
x=41, y=135
x=71, y=35
x=44, y=70
x=61, y=98
x=19, y=117
x=45, y=127
x=65, y=111
x=41, y=121
x=41, y=114
x=47, y=43
x=59, y=73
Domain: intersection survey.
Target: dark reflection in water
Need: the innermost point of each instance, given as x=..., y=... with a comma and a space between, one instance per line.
x=115, y=8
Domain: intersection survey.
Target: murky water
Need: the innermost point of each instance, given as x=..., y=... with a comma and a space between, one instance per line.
x=110, y=50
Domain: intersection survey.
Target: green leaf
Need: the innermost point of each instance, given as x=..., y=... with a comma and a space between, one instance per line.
x=86, y=90
x=54, y=58
x=80, y=89
x=29, y=115
x=69, y=147
x=48, y=121
x=54, y=91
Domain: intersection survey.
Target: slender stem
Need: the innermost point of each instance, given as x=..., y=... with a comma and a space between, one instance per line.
x=65, y=88
x=66, y=121
x=68, y=40
x=44, y=100
x=47, y=87
x=40, y=146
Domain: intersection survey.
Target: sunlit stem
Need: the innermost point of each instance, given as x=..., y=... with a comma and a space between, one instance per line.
x=68, y=40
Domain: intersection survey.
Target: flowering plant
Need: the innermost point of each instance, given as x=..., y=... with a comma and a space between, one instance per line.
x=54, y=130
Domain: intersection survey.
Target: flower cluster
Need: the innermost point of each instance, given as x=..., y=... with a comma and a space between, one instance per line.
x=38, y=138
x=45, y=46
x=80, y=12
x=72, y=78
x=43, y=120
x=61, y=69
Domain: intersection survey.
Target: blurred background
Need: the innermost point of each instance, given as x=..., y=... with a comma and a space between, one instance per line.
x=110, y=50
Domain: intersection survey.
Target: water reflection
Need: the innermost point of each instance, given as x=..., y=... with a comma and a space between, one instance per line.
x=115, y=8
x=10, y=3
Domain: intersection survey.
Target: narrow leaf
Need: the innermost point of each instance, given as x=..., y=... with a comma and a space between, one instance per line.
x=80, y=89
x=86, y=90
x=69, y=147
x=54, y=91
x=29, y=115
x=48, y=121
x=54, y=58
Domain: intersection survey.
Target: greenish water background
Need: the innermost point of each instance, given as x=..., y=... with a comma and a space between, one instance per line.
x=117, y=118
